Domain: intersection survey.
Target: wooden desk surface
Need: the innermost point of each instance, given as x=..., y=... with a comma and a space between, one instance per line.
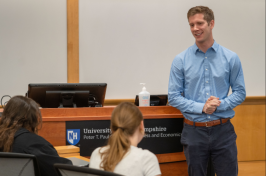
x=104, y=113
x=81, y=157
x=67, y=149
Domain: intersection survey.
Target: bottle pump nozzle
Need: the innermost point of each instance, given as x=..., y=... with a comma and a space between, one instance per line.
x=144, y=88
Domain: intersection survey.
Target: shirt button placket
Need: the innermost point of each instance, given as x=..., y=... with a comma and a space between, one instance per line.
x=206, y=74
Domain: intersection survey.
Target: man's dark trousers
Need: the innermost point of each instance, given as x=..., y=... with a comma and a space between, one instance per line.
x=218, y=141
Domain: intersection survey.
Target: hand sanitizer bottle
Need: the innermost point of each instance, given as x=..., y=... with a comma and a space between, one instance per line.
x=144, y=97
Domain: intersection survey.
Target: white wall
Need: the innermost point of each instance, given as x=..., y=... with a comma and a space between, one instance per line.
x=124, y=43
x=33, y=44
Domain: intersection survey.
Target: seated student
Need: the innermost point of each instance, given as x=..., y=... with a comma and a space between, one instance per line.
x=18, y=133
x=122, y=155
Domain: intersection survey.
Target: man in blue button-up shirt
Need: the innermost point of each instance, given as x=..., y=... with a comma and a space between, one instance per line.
x=199, y=83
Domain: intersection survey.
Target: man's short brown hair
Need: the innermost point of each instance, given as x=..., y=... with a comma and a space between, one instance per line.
x=206, y=11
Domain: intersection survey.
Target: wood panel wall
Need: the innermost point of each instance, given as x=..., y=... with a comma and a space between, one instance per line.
x=72, y=41
x=249, y=123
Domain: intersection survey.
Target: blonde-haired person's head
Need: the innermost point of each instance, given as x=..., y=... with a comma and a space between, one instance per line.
x=127, y=129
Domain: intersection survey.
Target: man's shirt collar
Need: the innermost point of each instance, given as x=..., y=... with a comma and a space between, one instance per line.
x=214, y=46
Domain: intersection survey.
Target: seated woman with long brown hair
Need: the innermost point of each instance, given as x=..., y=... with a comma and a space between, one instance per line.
x=19, y=125
x=122, y=155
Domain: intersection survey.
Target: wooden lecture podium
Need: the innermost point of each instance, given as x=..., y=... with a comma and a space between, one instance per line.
x=54, y=129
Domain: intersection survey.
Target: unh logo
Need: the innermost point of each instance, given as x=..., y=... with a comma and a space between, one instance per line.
x=73, y=136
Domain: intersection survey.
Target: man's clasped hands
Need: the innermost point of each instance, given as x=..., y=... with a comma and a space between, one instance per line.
x=211, y=104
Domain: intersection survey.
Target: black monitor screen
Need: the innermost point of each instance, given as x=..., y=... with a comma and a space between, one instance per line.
x=59, y=95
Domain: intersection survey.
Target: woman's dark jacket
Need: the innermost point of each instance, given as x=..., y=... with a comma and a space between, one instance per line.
x=31, y=143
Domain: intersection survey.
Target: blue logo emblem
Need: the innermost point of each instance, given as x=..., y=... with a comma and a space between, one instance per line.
x=73, y=136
